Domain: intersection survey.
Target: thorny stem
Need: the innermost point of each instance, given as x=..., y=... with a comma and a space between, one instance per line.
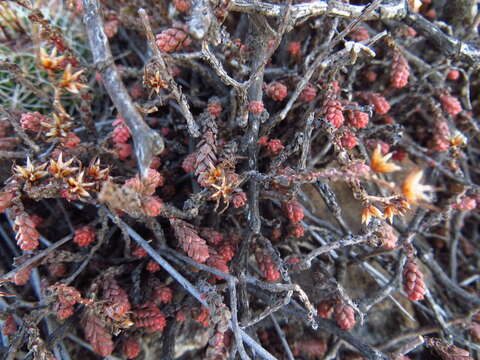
x=148, y=142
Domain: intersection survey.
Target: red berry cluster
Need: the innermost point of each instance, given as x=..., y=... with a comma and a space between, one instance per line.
x=267, y=266
x=173, y=39
x=413, y=281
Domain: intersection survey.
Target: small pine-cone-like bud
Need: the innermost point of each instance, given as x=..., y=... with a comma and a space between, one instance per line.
x=358, y=119
x=27, y=236
x=453, y=75
x=131, y=347
x=214, y=107
x=371, y=76
x=359, y=34
x=192, y=244
x=325, y=309
x=188, y=164
x=298, y=231
x=31, y=121
x=84, y=236
x=387, y=236
x=218, y=262
x=349, y=140
x=63, y=310
x=227, y=251
x=97, y=334
x=6, y=200
x=121, y=134
x=451, y=105
x=413, y=281
x=276, y=91
x=57, y=269
x=344, y=316
x=308, y=94
x=162, y=294
x=333, y=112
x=263, y=141
x=203, y=317
x=293, y=211
x=150, y=317
x=173, y=39
x=153, y=206
x=180, y=316
x=465, y=204
x=212, y=236
x=9, y=326
x=124, y=151
x=275, y=146
x=267, y=266
x=139, y=252
x=118, y=302
x=380, y=104
x=239, y=199
x=71, y=141
x=256, y=107
x=294, y=48
x=182, y=6
x=153, y=266
x=22, y=277
x=400, y=71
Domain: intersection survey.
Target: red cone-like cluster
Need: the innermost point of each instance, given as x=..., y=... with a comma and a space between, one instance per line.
x=308, y=94
x=400, y=71
x=150, y=317
x=9, y=326
x=293, y=210
x=118, y=303
x=256, y=107
x=162, y=294
x=84, y=236
x=333, y=112
x=131, y=347
x=267, y=266
x=380, y=104
x=27, y=236
x=276, y=91
x=344, y=316
x=413, y=281
x=191, y=243
x=348, y=140
x=325, y=309
x=121, y=132
x=451, y=105
x=97, y=335
x=173, y=39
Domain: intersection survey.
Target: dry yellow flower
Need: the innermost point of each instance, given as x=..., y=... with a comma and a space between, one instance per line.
x=380, y=164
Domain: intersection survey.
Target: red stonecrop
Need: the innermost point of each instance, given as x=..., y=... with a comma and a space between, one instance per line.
x=153, y=206
x=214, y=107
x=6, y=200
x=400, y=71
x=117, y=299
x=97, y=334
x=182, y=6
x=150, y=317
x=293, y=210
x=27, y=236
x=9, y=326
x=121, y=132
x=294, y=48
x=357, y=119
x=344, y=316
x=84, y=236
x=256, y=107
x=32, y=121
x=276, y=91
x=275, y=146
x=131, y=347
x=239, y=199
x=162, y=294
x=191, y=243
x=348, y=140
x=451, y=105
x=173, y=39
x=333, y=112
x=308, y=94
x=325, y=309
x=267, y=266
x=453, y=75
x=413, y=281
x=22, y=277
x=380, y=104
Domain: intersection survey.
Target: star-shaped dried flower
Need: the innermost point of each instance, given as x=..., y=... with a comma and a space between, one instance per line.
x=60, y=126
x=96, y=173
x=154, y=81
x=30, y=172
x=458, y=139
x=52, y=61
x=60, y=169
x=78, y=187
x=370, y=211
x=70, y=82
x=380, y=164
x=398, y=207
x=413, y=190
